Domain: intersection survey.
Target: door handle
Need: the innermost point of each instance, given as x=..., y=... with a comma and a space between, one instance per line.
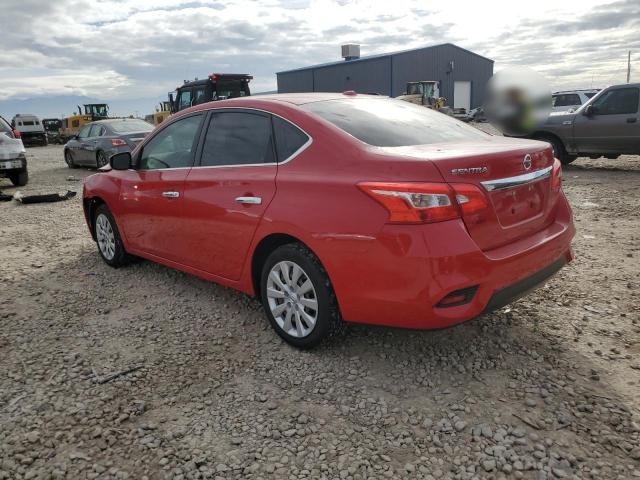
x=249, y=200
x=171, y=194
x=631, y=120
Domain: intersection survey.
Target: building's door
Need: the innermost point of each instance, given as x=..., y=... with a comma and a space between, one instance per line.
x=462, y=95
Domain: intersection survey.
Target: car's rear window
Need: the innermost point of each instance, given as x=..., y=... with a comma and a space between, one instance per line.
x=392, y=123
x=130, y=126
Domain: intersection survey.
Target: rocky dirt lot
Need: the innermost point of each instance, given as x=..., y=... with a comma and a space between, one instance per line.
x=546, y=388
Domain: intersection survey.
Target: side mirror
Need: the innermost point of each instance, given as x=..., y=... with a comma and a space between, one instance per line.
x=589, y=110
x=121, y=161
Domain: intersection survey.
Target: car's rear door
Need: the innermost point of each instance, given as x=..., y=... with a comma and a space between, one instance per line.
x=228, y=192
x=151, y=195
x=613, y=125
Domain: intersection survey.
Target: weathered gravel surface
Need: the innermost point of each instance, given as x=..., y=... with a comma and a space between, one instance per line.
x=546, y=388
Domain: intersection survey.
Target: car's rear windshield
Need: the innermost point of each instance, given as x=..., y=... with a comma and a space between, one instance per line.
x=392, y=123
x=127, y=126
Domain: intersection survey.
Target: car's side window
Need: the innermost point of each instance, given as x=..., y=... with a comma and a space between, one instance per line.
x=84, y=132
x=173, y=146
x=289, y=138
x=618, y=101
x=238, y=138
x=96, y=131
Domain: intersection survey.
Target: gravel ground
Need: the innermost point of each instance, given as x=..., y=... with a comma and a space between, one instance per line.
x=546, y=388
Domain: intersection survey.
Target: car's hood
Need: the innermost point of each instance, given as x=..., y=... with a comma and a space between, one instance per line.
x=559, y=118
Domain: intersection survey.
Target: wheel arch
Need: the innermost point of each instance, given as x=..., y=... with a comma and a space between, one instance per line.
x=91, y=204
x=543, y=135
x=264, y=248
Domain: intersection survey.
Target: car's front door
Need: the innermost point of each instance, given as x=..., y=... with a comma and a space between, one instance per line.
x=228, y=192
x=151, y=195
x=79, y=145
x=612, y=124
x=92, y=143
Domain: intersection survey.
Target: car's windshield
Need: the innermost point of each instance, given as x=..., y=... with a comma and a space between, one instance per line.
x=130, y=126
x=392, y=123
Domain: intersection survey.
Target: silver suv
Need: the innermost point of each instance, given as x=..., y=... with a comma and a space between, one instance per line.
x=571, y=99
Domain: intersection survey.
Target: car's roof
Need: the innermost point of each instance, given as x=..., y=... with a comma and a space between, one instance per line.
x=293, y=98
x=107, y=121
x=577, y=91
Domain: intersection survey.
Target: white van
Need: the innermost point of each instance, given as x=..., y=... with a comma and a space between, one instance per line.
x=30, y=128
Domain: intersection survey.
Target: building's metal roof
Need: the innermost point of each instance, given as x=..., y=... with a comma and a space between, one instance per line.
x=381, y=55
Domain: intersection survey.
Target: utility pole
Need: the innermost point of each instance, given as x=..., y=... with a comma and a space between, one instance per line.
x=629, y=66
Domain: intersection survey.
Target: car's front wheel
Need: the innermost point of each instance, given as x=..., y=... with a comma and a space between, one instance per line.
x=20, y=178
x=108, y=238
x=298, y=297
x=68, y=158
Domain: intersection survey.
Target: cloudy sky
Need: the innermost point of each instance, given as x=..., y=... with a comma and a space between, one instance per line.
x=138, y=50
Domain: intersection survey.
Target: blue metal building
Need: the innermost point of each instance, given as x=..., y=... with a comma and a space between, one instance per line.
x=462, y=74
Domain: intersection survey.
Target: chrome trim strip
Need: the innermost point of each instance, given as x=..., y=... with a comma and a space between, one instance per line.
x=306, y=145
x=510, y=182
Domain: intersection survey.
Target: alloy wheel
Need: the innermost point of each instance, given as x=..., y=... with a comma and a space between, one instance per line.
x=105, y=236
x=102, y=159
x=292, y=299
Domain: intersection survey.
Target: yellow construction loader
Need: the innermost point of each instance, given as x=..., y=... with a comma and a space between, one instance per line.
x=427, y=93
x=92, y=111
x=163, y=110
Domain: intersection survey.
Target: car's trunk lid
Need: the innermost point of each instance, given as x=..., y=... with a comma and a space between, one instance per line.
x=514, y=175
x=134, y=138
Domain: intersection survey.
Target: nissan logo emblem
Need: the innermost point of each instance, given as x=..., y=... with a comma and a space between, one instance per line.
x=527, y=162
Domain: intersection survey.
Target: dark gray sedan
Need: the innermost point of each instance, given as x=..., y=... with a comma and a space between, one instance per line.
x=98, y=141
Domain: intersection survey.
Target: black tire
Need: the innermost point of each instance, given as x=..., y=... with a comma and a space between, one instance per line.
x=101, y=159
x=328, y=321
x=558, y=149
x=19, y=179
x=68, y=158
x=120, y=256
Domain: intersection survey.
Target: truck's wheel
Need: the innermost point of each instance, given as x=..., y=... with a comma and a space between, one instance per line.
x=19, y=179
x=558, y=149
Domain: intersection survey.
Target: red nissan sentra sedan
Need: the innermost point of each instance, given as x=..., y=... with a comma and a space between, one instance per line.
x=338, y=207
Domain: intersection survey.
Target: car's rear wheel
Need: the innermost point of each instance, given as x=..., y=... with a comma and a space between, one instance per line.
x=108, y=238
x=68, y=158
x=19, y=179
x=101, y=159
x=298, y=297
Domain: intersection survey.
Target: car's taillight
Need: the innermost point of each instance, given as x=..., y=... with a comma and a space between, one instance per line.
x=556, y=176
x=16, y=133
x=414, y=202
x=117, y=142
x=470, y=198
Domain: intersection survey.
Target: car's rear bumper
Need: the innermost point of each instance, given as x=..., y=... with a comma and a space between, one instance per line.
x=405, y=277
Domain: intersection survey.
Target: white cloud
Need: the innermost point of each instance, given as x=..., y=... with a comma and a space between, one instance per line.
x=143, y=48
